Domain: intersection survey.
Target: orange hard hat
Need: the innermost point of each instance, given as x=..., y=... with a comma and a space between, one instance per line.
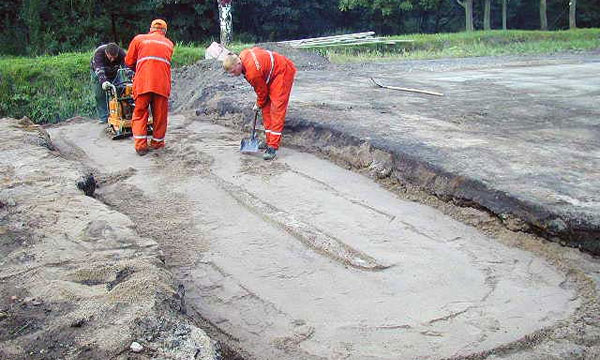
x=159, y=24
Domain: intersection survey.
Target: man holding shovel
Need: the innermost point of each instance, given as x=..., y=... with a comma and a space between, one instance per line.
x=272, y=76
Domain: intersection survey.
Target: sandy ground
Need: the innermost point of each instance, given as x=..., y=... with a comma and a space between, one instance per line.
x=517, y=136
x=302, y=259
x=76, y=280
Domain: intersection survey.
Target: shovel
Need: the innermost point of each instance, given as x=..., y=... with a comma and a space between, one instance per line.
x=250, y=145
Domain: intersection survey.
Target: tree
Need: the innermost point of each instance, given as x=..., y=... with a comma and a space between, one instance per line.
x=468, y=6
x=487, y=14
x=543, y=16
x=225, y=21
x=504, y=6
x=572, y=9
x=400, y=16
x=189, y=20
x=387, y=15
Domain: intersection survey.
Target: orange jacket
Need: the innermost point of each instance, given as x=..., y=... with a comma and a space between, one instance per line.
x=151, y=54
x=258, y=67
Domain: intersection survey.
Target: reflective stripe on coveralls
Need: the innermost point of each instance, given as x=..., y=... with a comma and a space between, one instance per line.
x=148, y=137
x=154, y=58
x=158, y=42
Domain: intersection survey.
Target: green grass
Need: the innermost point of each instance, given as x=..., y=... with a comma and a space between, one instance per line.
x=466, y=44
x=46, y=88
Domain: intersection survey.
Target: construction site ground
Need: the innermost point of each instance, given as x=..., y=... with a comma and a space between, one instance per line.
x=392, y=225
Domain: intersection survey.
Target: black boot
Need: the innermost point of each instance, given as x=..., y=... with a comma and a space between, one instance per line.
x=269, y=154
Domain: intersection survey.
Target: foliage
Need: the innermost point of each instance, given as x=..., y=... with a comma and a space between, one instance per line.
x=270, y=20
x=432, y=16
x=37, y=27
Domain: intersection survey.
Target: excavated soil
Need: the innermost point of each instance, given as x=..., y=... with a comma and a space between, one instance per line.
x=334, y=256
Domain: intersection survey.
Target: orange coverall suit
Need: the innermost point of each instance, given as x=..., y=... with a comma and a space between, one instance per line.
x=151, y=55
x=272, y=76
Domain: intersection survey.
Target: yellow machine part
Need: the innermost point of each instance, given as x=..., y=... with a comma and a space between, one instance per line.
x=120, y=112
x=116, y=117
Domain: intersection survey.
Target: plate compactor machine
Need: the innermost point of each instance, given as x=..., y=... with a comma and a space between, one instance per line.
x=121, y=105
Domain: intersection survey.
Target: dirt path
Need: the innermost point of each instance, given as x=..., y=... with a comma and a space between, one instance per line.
x=301, y=259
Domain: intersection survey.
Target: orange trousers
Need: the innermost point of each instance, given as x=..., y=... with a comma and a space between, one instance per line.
x=139, y=122
x=276, y=108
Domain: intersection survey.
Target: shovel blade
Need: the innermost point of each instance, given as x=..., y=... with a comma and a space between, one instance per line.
x=249, y=145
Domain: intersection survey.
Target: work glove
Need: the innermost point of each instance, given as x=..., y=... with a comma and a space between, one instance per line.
x=255, y=108
x=106, y=85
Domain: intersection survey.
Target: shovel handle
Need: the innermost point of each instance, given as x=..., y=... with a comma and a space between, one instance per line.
x=254, y=125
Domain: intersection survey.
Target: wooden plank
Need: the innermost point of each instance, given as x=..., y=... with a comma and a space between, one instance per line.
x=325, y=38
x=352, y=43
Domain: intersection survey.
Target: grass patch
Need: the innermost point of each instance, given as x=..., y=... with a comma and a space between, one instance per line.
x=48, y=89
x=466, y=44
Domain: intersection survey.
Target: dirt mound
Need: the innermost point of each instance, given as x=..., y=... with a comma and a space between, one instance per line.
x=77, y=280
x=303, y=59
x=195, y=84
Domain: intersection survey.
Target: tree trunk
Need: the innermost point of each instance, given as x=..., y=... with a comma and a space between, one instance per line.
x=113, y=28
x=225, y=21
x=486, y=14
x=572, y=12
x=469, y=15
x=504, y=6
x=32, y=20
x=468, y=6
x=543, y=17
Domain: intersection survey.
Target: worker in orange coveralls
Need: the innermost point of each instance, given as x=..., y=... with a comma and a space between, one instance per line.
x=150, y=54
x=272, y=76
